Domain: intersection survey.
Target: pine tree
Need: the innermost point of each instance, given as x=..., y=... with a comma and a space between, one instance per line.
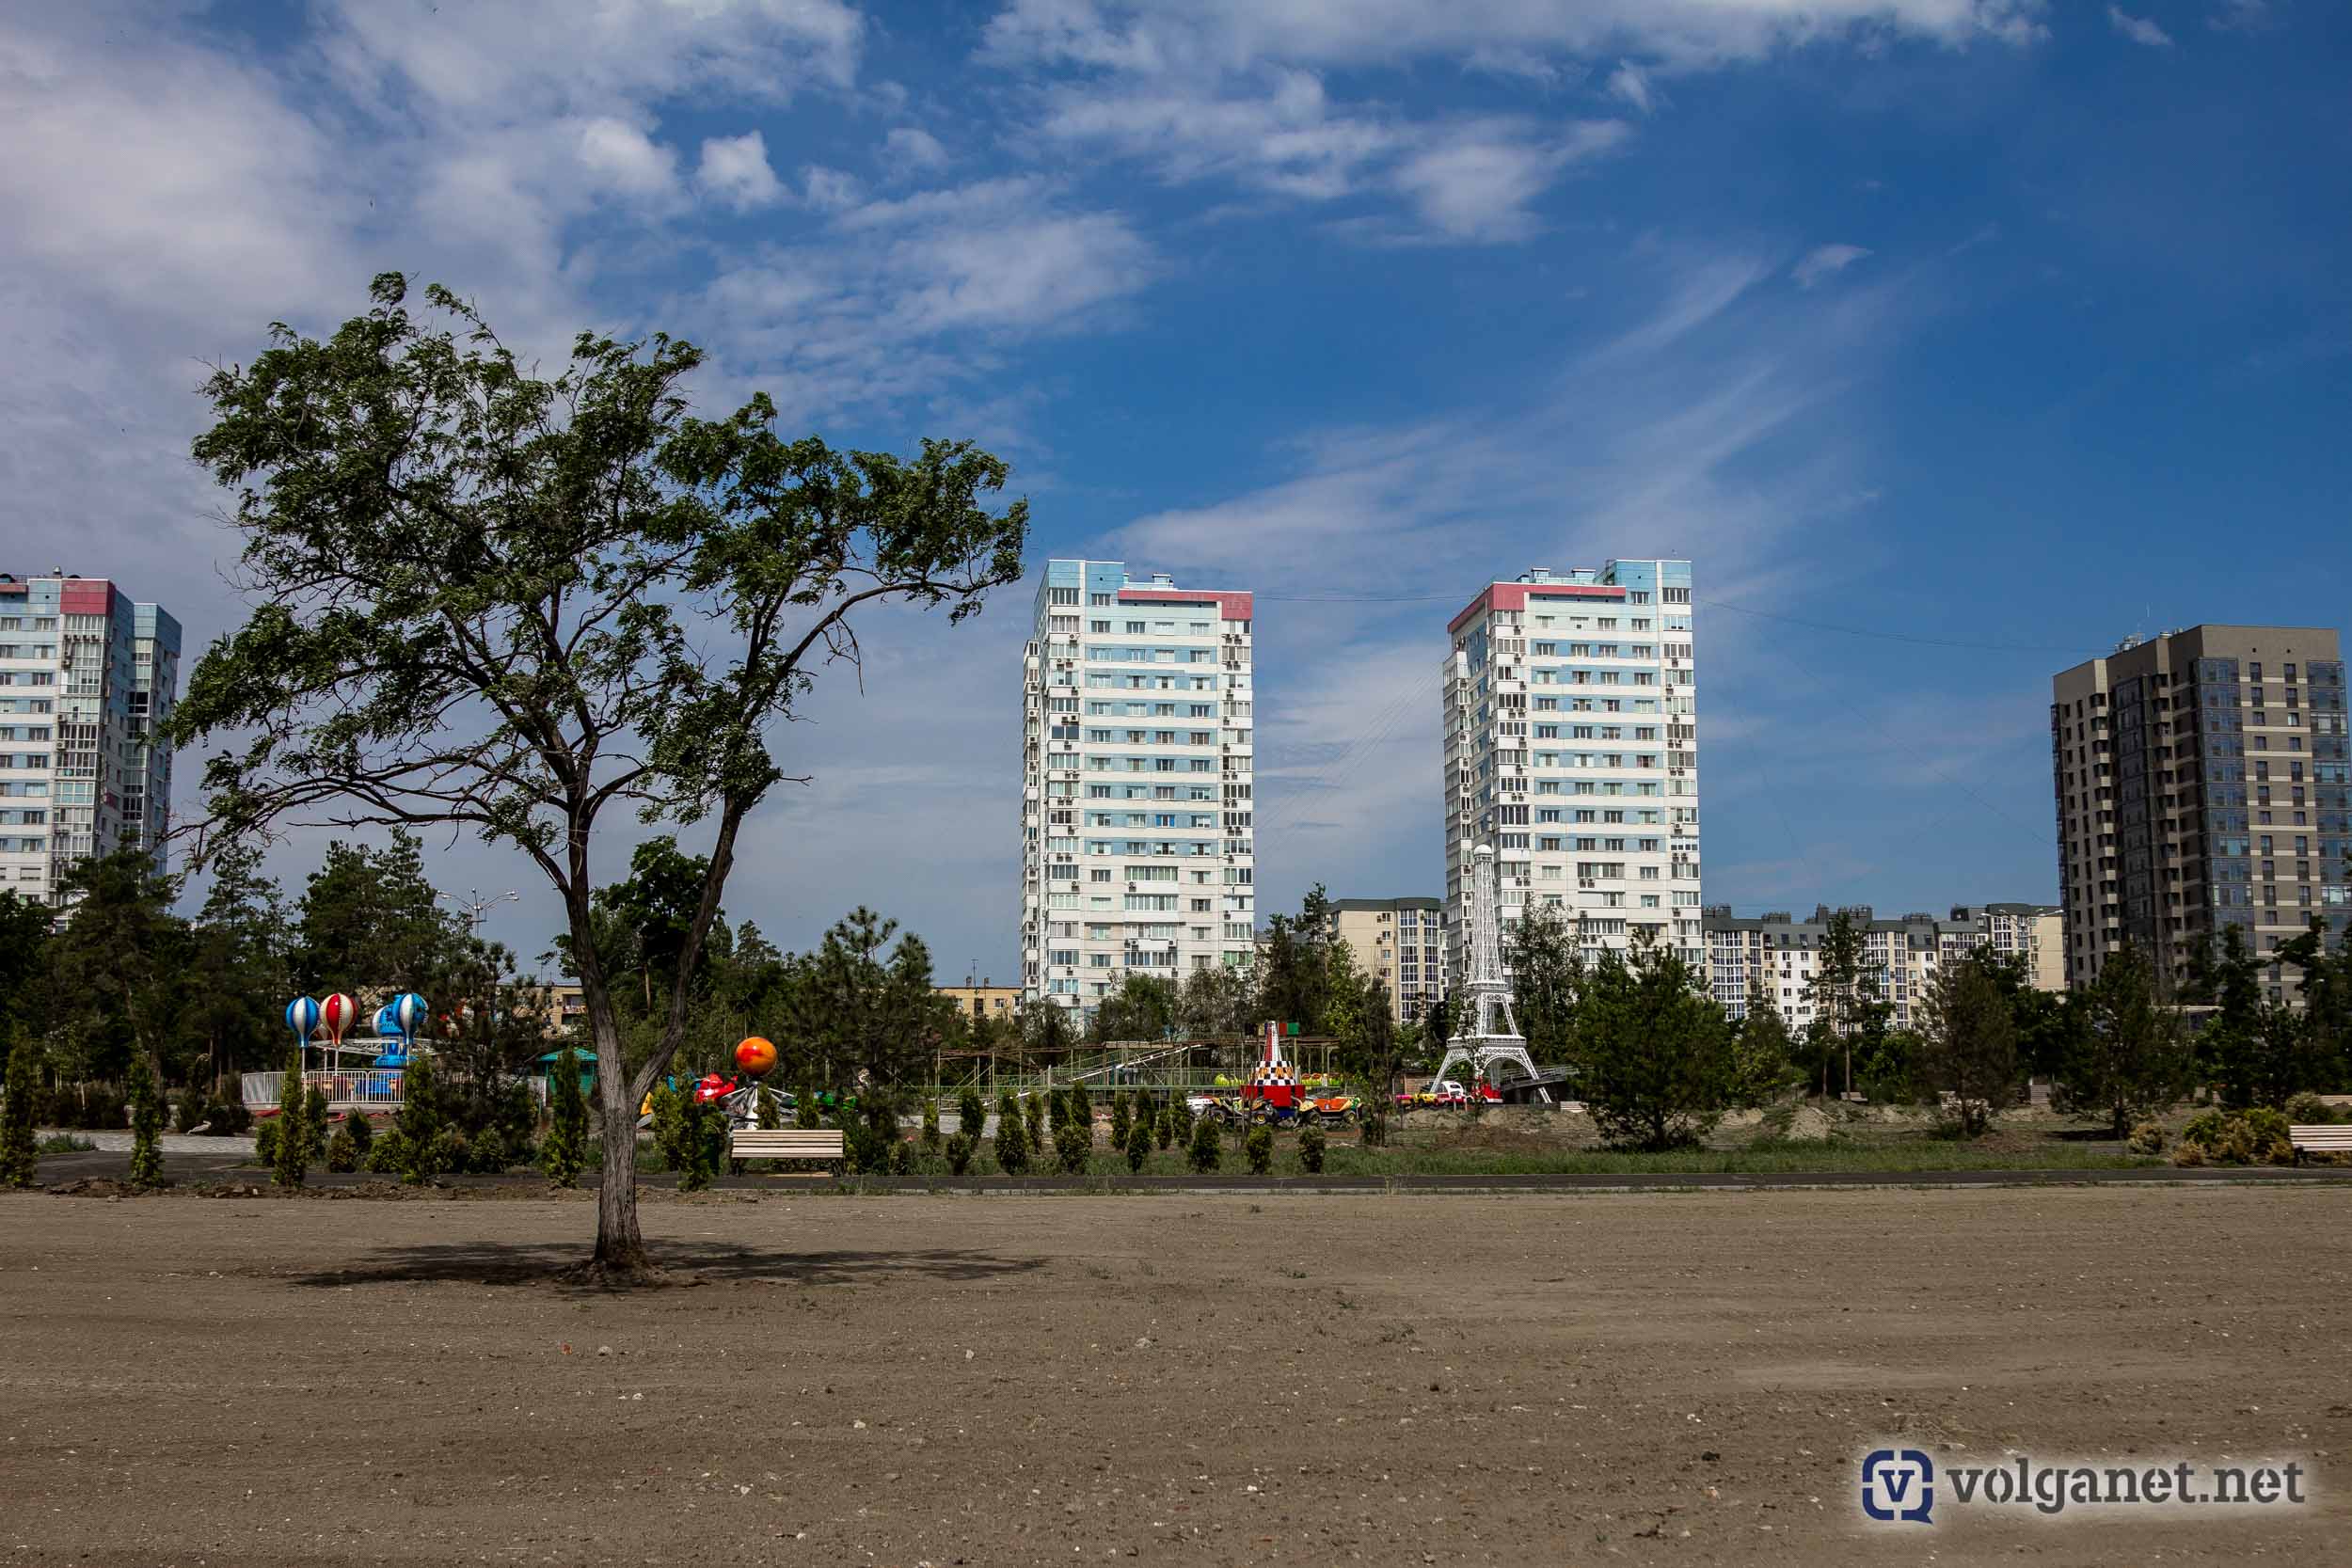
x=146, y=1123
x=971, y=1113
x=1073, y=1144
x=806, y=1113
x=1012, y=1137
x=293, y=1127
x=362, y=1133
x=669, y=1125
x=1139, y=1143
x=1081, y=1105
x=1119, y=1119
x=930, y=1124
x=565, y=1151
x=1258, y=1147
x=1037, y=1121
x=1205, y=1150
x=767, y=1109
x=1165, y=1128
x=421, y=1121
x=315, y=1115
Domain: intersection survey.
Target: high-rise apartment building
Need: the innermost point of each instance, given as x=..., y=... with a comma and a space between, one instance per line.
x=1772, y=959
x=86, y=675
x=1399, y=943
x=2200, y=782
x=1571, y=745
x=1135, y=815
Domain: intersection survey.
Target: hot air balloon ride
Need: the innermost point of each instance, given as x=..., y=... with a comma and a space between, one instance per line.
x=336, y=1016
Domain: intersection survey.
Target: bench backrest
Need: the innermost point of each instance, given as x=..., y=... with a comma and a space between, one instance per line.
x=2323, y=1135
x=786, y=1143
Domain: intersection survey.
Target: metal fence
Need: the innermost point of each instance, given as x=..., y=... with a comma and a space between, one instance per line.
x=363, y=1088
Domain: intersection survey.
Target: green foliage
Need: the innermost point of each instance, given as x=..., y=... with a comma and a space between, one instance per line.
x=2247, y=1135
x=565, y=1154
x=667, y=1108
x=971, y=1113
x=903, y=1157
x=265, y=1141
x=1181, y=1128
x=1546, y=963
x=422, y=1120
x=2147, y=1138
x=805, y=1111
x=931, y=1125
x=767, y=1109
x=1073, y=1144
x=1653, y=1052
x=362, y=1133
x=189, y=1114
x=1204, y=1149
x=1014, y=1142
x=1119, y=1118
x=1970, y=1042
x=316, y=1115
x=1137, y=1146
x=1311, y=1146
x=1036, y=1109
x=513, y=582
x=1760, y=1068
x=1142, y=1007
x=448, y=1152
x=960, y=1148
x=1081, y=1106
x=2130, y=1061
x=1164, y=1129
x=369, y=920
x=19, y=1159
x=344, y=1155
x=1258, y=1148
x=487, y=1154
x=389, y=1155
x=146, y=1123
x=2309, y=1110
x=293, y=1160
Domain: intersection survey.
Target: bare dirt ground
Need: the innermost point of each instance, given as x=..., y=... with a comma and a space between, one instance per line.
x=1674, y=1377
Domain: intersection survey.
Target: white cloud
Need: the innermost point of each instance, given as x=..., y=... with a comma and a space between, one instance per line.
x=625, y=159
x=1477, y=184
x=1684, y=33
x=830, y=190
x=735, y=170
x=913, y=152
x=2139, y=29
x=1826, y=260
x=2241, y=16
x=1632, y=83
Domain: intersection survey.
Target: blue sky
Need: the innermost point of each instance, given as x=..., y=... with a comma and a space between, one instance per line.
x=1991, y=327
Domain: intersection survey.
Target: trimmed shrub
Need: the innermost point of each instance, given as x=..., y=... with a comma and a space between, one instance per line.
x=565, y=1154
x=389, y=1154
x=342, y=1155
x=1119, y=1119
x=487, y=1155
x=447, y=1152
x=315, y=1117
x=2147, y=1138
x=2256, y=1135
x=1205, y=1150
x=1073, y=1144
x=227, y=1119
x=2309, y=1110
x=1139, y=1145
x=1013, y=1139
x=266, y=1142
x=147, y=1122
x=1258, y=1148
x=1311, y=1144
x=1185, y=1119
x=189, y=1115
x=931, y=1125
x=292, y=1162
x=1036, y=1112
x=1081, y=1105
x=960, y=1153
x=971, y=1113
x=805, y=1111
x=421, y=1121
x=2188, y=1154
x=902, y=1154
x=1163, y=1128
x=362, y=1133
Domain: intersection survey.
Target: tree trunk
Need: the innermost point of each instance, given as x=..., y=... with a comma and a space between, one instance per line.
x=620, y=1258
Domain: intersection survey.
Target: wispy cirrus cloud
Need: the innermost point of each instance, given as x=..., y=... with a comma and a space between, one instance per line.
x=1826, y=260
x=2139, y=29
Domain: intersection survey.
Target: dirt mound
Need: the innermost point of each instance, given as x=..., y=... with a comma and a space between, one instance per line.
x=1808, y=1124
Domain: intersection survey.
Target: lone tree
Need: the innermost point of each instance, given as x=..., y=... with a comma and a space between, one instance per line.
x=2133, y=1059
x=506, y=605
x=1653, y=1051
x=1969, y=1045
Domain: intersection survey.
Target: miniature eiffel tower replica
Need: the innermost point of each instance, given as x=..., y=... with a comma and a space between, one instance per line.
x=1477, y=1039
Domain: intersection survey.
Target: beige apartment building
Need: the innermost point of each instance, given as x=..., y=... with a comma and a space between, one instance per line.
x=2200, y=782
x=1399, y=942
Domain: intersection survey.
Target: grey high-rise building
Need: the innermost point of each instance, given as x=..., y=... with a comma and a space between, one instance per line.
x=2201, y=779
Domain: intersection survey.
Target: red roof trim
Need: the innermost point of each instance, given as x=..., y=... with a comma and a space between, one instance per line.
x=1514, y=595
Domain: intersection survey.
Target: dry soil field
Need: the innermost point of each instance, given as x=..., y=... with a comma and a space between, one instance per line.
x=1582, y=1378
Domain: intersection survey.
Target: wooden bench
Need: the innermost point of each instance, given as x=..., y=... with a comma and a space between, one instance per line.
x=784, y=1143
x=2321, y=1138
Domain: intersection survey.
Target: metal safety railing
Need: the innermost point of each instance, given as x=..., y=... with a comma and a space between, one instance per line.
x=350, y=1088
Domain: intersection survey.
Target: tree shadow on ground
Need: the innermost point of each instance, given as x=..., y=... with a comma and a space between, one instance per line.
x=685, y=1263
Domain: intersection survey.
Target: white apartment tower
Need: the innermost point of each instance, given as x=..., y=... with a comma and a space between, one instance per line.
x=86, y=675
x=1571, y=745
x=1136, y=813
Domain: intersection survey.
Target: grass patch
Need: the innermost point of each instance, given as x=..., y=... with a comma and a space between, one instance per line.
x=66, y=1143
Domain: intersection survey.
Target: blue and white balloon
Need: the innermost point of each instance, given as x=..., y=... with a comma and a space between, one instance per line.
x=408, y=1013
x=302, y=1016
x=386, y=1026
